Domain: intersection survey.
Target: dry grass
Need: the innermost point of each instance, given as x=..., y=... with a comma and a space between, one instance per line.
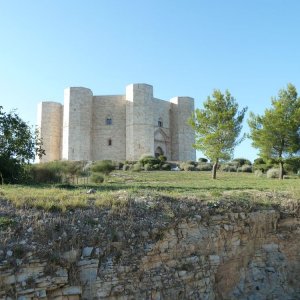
x=122, y=186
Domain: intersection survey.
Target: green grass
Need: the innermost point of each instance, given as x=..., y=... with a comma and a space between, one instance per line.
x=122, y=186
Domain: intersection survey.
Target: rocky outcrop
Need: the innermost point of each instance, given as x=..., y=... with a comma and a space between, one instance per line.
x=233, y=255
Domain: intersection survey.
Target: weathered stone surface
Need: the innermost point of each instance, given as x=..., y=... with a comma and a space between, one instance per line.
x=138, y=124
x=231, y=256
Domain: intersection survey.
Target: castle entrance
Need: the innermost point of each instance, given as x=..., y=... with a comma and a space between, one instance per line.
x=158, y=152
x=161, y=143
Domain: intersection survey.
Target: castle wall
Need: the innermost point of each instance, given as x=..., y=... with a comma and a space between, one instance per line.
x=139, y=121
x=49, y=119
x=162, y=135
x=77, y=123
x=138, y=124
x=109, y=140
x=183, y=136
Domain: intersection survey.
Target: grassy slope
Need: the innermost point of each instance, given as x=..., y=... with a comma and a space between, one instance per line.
x=120, y=186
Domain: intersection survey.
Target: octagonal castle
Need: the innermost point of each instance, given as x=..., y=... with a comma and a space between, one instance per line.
x=123, y=127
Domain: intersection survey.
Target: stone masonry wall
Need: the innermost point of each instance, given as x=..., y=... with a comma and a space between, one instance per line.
x=83, y=134
x=104, y=107
x=234, y=255
x=77, y=124
x=49, y=122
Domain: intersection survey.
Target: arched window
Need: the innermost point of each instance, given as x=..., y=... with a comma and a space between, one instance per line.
x=160, y=122
x=109, y=142
x=108, y=121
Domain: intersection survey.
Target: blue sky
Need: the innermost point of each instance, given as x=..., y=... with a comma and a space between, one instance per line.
x=182, y=48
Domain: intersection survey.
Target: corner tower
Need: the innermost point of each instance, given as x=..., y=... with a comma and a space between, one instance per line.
x=49, y=123
x=183, y=136
x=77, y=123
x=139, y=121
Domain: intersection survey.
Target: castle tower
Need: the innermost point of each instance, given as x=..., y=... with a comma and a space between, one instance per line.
x=49, y=123
x=183, y=136
x=77, y=123
x=139, y=121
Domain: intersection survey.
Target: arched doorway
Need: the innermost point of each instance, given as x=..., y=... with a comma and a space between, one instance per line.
x=158, y=151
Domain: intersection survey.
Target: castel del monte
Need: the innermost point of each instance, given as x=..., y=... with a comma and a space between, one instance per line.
x=116, y=127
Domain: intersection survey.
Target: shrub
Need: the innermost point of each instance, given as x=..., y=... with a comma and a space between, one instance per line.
x=273, y=173
x=190, y=162
x=148, y=167
x=156, y=167
x=259, y=161
x=230, y=167
x=137, y=167
x=292, y=164
x=258, y=173
x=241, y=161
x=203, y=160
x=97, y=178
x=162, y=158
x=149, y=159
x=204, y=167
x=187, y=167
x=126, y=167
x=104, y=166
x=166, y=167
x=245, y=168
x=41, y=173
x=118, y=165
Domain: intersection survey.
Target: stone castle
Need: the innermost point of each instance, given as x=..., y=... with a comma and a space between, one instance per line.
x=121, y=127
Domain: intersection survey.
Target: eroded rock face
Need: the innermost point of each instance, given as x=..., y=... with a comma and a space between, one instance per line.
x=230, y=256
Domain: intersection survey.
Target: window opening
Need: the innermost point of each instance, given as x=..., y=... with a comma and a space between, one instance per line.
x=108, y=121
x=160, y=123
x=109, y=142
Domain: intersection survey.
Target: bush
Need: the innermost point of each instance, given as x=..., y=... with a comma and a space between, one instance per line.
x=230, y=167
x=118, y=165
x=43, y=173
x=148, y=167
x=156, y=167
x=166, y=167
x=185, y=166
x=104, y=166
x=292, y=164
x=191, y=162
x=149, y=159
x=259, y=161
x=137, y=167
x=273, y=173
x=241, y=161
x=245, y=168
x=97, y=178
x=126, y=167
x=162, y=158
x=203, y=160
x=204, y=167
x=258, y=173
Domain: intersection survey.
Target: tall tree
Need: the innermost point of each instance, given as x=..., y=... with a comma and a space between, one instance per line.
x=277, y=133
x=18, y=145
x=217, y=127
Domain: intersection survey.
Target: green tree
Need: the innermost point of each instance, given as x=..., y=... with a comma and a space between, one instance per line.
x=18, y=145
x=217, y=127
x=277, y=133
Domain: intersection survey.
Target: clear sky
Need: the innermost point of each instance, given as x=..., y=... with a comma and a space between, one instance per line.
x=181, y=47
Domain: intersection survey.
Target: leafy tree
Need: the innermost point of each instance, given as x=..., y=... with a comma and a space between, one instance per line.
x=277, y=133
x=18, y=145
x=217, y=127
